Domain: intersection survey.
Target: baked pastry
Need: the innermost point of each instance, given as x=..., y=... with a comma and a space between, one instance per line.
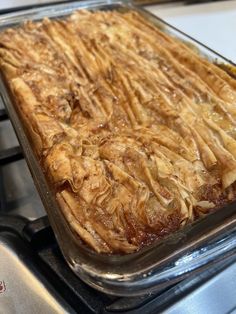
x=135, y=131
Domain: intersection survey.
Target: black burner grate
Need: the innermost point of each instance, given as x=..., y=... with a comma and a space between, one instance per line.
x=7, y=156
x=3, y=115
x=39, y=236
x=10, y=154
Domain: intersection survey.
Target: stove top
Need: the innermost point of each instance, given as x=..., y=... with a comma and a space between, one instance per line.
x=34, y=278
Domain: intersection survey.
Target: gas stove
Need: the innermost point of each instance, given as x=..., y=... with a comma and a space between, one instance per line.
x=34, y=277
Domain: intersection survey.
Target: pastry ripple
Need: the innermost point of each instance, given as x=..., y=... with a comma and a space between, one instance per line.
x=134, y=130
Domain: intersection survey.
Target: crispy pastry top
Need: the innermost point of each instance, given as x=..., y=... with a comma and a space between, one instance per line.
x=134, y=129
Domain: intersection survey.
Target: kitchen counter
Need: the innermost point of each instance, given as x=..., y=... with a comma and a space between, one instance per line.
x=213, y=23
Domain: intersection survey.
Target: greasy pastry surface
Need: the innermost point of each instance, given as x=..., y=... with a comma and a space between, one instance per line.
x=135, y=131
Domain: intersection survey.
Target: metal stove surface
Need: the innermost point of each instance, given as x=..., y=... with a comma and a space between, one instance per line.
x=23, y=289
x=34, y=278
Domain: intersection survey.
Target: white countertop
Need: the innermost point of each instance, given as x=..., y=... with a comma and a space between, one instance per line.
x=212, y=23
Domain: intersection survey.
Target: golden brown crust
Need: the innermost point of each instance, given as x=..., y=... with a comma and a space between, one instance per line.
x=135, y=130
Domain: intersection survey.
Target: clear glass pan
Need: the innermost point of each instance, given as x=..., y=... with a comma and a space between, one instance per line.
x=187, y=251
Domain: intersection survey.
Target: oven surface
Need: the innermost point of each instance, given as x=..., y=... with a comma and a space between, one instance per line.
x=35, y=277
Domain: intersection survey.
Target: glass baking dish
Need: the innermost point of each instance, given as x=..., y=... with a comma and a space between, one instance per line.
x=194, y=247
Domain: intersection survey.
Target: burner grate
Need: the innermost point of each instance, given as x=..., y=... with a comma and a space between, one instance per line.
x=7, y=156
x=11, y=154
x=3, y=115
x=39, y=237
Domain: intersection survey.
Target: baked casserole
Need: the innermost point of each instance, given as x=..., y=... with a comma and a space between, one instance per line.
x=134, y=130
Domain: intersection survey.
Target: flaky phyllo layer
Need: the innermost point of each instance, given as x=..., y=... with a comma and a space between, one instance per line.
x=135, y=131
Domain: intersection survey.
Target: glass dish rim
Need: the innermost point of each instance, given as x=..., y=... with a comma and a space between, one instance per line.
x=104, y=279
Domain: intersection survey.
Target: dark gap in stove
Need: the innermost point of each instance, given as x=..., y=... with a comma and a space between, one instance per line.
x=9, y=155
x=2, y=193
x=18, y=195
x=13, y=224
x=3, y=115
x=39, y=233
x=11, y=205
